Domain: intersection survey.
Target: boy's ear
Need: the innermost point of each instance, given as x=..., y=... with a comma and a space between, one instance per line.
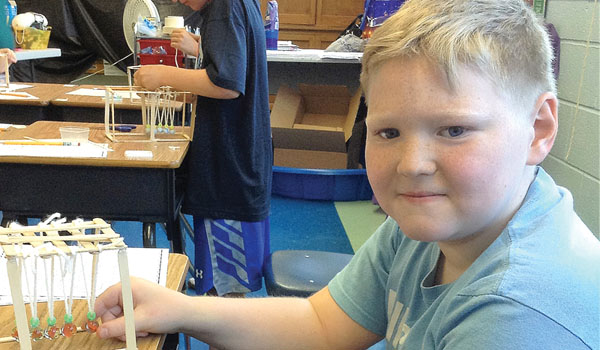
x=545, y=126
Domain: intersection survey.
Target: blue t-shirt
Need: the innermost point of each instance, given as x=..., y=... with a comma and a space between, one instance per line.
x=537, y=286
x=230, y=159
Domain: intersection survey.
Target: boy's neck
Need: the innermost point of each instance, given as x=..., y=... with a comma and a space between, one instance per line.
x=456, y=256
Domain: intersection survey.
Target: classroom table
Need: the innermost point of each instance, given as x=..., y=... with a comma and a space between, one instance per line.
x=112, y=188
x=15, y=110
x=54, y=102
x=176, y=275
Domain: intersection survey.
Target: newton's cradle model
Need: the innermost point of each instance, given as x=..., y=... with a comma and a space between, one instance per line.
x=158, y=110
x=43, y=246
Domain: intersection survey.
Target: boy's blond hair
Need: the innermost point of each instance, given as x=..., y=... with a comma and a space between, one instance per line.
x=502, y=39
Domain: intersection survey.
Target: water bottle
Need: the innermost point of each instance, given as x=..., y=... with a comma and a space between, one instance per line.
x=11, y=11
x=272, y=25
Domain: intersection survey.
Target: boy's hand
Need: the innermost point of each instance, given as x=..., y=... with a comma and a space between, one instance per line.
x=157, y=310
x=151, y=76
x=184, y=41
x=10, y=54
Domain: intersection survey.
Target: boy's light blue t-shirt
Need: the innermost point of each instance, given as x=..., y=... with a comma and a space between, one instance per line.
x=536, y=287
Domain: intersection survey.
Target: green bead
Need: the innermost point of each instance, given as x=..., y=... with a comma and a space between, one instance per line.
x=51, y=321
x=91, y=315
x=34, y=322
x=68, y=318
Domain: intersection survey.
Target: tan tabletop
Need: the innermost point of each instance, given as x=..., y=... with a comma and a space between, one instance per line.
x=165, y=154
x=44, y=93
x=176, y=273
x=69, y=100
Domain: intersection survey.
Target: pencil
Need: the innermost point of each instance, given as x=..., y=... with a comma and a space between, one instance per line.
x=13, y=94
x=44, y=143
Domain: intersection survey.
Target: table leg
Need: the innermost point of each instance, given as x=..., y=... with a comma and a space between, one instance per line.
x=173, y=227
x=149, y=234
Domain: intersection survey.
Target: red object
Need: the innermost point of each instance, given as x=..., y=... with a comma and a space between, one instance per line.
x=91, y=326
x=69, y=330
x=168, y=60
x=156, y=44
x=15, y=333
x=37, y=334
x=52, y=332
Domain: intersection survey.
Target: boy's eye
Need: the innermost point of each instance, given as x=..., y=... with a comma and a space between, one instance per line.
x=453, y=131
x=389, y=133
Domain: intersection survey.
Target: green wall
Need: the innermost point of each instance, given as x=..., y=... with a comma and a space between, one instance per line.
x=575, y=158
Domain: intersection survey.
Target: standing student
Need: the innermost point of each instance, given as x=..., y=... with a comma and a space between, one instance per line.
x=482, y=250
x=228, y=181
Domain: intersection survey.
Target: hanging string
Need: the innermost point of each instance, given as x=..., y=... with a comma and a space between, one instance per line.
x=69, y=268
x=91, y=325
x=51, y=331
x=34, y=321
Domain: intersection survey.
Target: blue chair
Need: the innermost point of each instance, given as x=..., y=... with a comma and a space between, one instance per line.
x=301, y=273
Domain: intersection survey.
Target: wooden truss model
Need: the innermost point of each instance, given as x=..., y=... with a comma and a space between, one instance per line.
x=102, y=237
x=158, y=113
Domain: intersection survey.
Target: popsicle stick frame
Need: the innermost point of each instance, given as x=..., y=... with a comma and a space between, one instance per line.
x=46, y=242
x=158, y=112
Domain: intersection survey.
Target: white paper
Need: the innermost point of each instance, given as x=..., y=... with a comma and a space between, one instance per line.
x=14, y=86
x=101, y=93
x=85, y=150
x=352, y=56
x=147, y=263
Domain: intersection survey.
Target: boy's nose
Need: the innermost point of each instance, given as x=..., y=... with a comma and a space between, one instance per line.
x=415, y=159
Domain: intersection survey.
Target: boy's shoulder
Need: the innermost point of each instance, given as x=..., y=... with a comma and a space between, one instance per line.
x=546, y=261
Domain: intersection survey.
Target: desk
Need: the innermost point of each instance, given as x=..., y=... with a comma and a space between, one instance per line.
x=113, y=188
x=309, y=67
x=176, y=273
x=27, y=111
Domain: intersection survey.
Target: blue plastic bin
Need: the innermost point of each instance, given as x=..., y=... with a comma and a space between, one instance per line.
x=322, y=184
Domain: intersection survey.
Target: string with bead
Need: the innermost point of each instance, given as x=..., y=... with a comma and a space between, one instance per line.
x=91, y=324
x=68, y=268
x=34, y=321
x=52, y=331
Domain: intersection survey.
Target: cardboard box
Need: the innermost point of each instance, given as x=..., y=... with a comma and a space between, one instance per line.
x=311, y=125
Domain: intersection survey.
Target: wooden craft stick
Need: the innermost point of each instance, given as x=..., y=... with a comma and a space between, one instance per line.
x=14, y=279
x=127, y=300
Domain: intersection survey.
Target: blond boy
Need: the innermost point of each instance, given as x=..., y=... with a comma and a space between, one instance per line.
x=481, y=251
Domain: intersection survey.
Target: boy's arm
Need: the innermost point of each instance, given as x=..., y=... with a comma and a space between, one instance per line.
x=185, y=41
x=253, y=323
x=195, y=81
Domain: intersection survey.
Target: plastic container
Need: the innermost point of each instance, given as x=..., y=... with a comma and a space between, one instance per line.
x=322, y=184
x=157, y=45
x=272, y=25
x=74, y=133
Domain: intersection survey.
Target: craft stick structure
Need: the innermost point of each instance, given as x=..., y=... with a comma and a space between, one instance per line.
x=158, y=112
x=44, y=242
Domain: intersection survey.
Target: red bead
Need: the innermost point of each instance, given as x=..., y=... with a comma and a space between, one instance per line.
x=37, y=334
x=52, y=332
x=69, y=330
x=15, y=333
x=91, y=326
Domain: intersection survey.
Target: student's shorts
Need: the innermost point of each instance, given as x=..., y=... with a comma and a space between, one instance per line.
x=230, y=255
